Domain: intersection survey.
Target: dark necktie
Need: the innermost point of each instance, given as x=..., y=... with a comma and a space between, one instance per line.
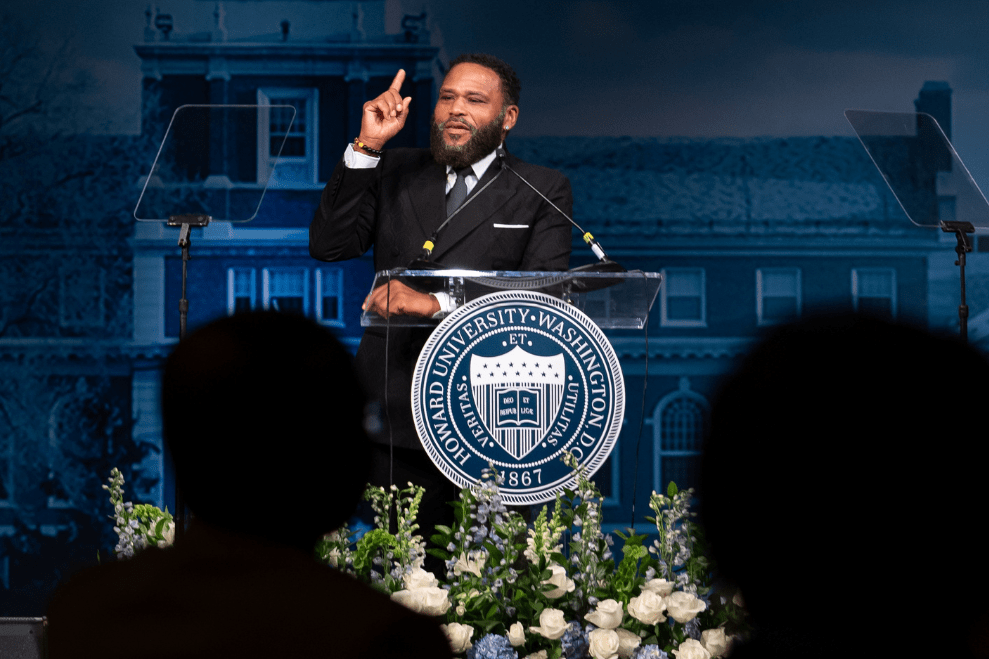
x=458, y=192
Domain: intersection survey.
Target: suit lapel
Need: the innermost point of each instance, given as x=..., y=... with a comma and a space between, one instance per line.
x=479, y=210
x=427, y=197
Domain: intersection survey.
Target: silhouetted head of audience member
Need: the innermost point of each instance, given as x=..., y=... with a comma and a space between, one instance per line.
x=264, y=417
x=841, y=489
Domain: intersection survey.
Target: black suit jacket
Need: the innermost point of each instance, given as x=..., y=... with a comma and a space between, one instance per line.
x=398, y=205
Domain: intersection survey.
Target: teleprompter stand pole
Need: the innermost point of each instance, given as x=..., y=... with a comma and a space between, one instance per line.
x=185, y=224
x=963, y=246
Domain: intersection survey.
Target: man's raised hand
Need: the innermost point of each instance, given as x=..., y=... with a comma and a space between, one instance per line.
x=384, y=116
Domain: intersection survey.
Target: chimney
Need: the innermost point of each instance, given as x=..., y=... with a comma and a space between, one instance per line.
x=935, y=100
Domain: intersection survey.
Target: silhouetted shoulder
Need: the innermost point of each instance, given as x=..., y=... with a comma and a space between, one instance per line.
x=207, y=599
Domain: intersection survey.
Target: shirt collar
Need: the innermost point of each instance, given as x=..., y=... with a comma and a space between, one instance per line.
x=480, y=166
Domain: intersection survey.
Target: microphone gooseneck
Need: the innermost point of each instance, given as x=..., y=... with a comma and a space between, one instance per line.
x=586, y=235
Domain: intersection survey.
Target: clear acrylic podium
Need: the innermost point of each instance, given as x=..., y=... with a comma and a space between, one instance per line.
x=613, y=300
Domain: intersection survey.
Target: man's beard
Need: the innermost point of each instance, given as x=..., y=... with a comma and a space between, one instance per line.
x=481, y=142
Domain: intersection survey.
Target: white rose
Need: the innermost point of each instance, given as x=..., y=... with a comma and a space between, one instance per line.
x=691, y=649
x=473, y=564
x=459, y=636
x=419, y=578
x=647, y=607
x=430, y=601
x=516, y=634
x=167, y=535
x=737, y=599
x=537, y=655
x=607, y=615
x=627, y=642
x=715, y=641
x=604, y=643
x=551, y=624
x=661, y=587
x=684, y=607
x=559, y=579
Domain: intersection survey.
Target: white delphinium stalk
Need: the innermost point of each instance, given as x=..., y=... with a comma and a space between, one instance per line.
x=381, y=501
x=545, y=534
x=463, y=538
x=590, y=547
x=411, y=548
x=335, y=549
x=675, y=545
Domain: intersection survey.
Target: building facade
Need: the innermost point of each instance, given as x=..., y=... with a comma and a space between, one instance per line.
x=747, y=234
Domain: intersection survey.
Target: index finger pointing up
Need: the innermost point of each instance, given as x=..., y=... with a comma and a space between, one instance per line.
x=396, y=84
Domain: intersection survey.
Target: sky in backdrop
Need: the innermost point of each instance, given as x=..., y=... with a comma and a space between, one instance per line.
x=696, y=68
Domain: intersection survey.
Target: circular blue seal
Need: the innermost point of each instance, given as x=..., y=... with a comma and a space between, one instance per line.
x=515, y=379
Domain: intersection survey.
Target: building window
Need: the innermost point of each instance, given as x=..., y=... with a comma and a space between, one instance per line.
x=290, y=129
x=285, y=290
x=778, y=296
x=329, y=296
x=682, y=298
x=678, y=428
x=874, y=291
x=241, y=290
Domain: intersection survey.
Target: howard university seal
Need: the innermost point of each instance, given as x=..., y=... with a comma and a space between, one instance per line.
x=515, y=379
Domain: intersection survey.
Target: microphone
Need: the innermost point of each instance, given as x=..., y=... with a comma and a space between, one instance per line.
x=423, y=262
x=605, y=264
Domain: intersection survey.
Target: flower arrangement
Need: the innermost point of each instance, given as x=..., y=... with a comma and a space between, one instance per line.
x=551, y=590
x=137, y=526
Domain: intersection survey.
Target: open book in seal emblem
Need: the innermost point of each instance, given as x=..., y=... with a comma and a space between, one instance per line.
x=517, y=395
x=516, y=379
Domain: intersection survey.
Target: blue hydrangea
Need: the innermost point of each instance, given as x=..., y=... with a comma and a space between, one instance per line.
x=492, y=646
x=649, y=652
x=575, y=643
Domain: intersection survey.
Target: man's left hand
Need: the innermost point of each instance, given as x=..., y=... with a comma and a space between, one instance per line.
x=397, y=299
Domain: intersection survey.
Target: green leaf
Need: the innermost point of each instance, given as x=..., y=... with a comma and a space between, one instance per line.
x=671, y=490
x=488, y=625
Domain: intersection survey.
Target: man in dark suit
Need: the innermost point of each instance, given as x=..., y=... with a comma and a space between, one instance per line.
x=395, y=200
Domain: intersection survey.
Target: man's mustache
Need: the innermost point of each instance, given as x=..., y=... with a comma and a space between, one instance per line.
x=457, y=123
